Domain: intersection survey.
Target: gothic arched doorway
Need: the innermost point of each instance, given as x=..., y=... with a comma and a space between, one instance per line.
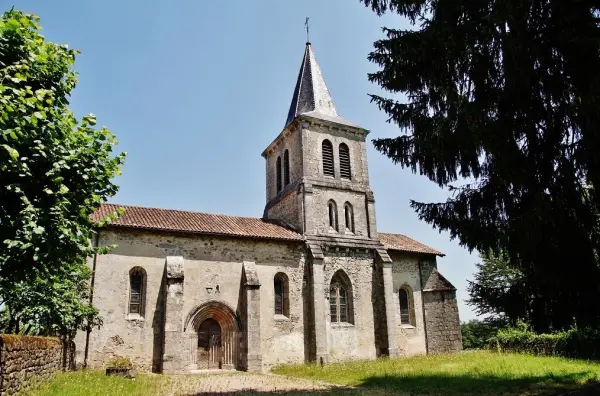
x=214, y=336
x=209, y=345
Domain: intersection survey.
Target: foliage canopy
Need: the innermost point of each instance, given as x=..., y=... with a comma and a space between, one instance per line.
x=501, y=107
x=55, y=172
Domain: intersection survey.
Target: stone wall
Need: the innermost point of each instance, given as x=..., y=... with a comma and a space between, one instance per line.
x=287, y=208
x=213, y=271
x=291, y=140
x=443, y=324
x=26, y=360
x=320, y=218
x=405, y=273
x=282, y=336
x=354, y=340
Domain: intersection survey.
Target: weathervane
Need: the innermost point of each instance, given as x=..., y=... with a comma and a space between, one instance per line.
x=307, y=29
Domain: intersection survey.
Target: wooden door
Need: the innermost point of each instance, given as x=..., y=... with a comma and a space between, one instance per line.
x=209, y=345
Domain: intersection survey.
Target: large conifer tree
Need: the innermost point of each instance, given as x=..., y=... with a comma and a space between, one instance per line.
x=503, y=108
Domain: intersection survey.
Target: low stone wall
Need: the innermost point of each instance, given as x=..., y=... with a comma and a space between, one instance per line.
x=25, y=360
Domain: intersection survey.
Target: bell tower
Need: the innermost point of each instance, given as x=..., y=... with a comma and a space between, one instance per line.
x=317, y=175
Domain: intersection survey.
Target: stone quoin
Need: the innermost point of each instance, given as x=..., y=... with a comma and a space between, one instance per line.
x=311, y=281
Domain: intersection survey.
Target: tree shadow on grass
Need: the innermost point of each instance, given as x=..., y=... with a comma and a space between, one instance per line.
x=549, y=384
x=431, y=385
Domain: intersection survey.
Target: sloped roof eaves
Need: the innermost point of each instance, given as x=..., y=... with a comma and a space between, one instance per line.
x=197, y=223
x=182, y=222
x=191, y=232
x=402, y=243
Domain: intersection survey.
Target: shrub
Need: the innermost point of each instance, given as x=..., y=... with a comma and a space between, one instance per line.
x=119, y=362
x=581, y=343
x=476, y=333
x=574, y=343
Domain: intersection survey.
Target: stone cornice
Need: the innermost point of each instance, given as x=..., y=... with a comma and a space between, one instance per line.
x=287, y=131
x=332, y=125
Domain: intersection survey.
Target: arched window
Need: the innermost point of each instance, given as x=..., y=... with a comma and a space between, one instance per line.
x=407, y=316
x=349, y=217
x=282, y=301
x=137, y=290
x=327, y=149
x=278, y=174
x=345, y=169
x=286, y=168
x=333, y=215
x=340, y=299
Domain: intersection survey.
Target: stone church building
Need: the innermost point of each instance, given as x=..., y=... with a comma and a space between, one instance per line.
x=312, y=280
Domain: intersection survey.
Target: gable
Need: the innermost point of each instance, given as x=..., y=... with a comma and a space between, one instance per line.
x=437, y=282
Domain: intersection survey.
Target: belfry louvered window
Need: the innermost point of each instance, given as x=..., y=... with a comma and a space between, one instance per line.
x=286, y=168
x=278, y=174
x=327, y=149
x=345, y=169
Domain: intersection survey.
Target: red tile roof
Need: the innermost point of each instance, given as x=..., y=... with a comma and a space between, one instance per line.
x=405, y=244
x=142, y=218
x=197, y=223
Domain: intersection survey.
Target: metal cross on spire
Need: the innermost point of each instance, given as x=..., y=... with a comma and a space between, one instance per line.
x=307, y=30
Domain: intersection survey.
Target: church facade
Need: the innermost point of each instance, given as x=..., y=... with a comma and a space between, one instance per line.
x=312, y=280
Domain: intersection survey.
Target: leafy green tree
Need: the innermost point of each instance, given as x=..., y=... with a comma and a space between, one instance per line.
x=55, y=171
x=501, y=107
x=499, y=290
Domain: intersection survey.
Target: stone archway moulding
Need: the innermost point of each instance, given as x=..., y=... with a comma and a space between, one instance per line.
x=216, y=309
x=228, y=321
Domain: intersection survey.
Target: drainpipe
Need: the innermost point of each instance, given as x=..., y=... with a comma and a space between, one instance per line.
x=423, y=308
x=91, y=299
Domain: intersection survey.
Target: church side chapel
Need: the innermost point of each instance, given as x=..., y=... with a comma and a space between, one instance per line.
x=312, y=280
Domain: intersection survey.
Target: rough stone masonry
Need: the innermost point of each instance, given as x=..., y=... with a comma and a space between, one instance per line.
x=25, y=360
x=311, y=280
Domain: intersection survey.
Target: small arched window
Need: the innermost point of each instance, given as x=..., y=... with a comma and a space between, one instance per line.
x=407, y=316
x=349, y=217
x=282, y=301
x=286, y=168
x=333, y=215
x=137, y=290
x=340, y=299
x=278, y=174
x=327, y=149
x=345, y=169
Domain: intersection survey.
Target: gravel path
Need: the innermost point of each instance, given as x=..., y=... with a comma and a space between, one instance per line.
x=201, y=384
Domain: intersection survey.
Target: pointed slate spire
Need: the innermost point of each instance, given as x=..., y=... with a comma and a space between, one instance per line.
x=311, y=96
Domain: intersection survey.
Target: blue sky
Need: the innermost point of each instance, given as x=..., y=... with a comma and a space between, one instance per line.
x=195, y=90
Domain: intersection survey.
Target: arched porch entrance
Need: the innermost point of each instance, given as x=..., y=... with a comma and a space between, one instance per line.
x=213, y=334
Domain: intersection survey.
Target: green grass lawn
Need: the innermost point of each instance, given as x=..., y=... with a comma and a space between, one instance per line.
x=467, y=373
x=96, y=383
